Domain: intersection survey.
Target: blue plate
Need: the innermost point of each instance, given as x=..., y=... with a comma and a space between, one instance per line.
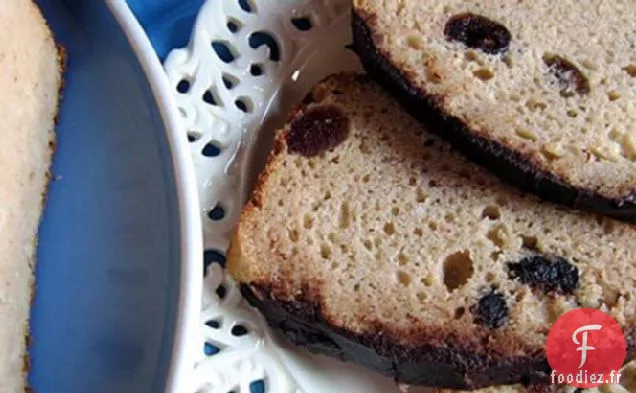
x=110, y=270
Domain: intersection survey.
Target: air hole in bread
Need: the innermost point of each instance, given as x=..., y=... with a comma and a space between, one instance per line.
x=628, y=144
x=460, y=312
x=327, y=196
x=433, y=76
x=449, y=217
x=572, y=113
x=368, y=244
x=418, y=232
x=552, y=151
x=614, y=96
x=395, y=210
x=458, y=269
x=432, y=225
x=535, y=105
x=484, y=74
x=389, y=228
x=495, y=255
x=427, y=281
x=366, y=178
x=308, y=222
x=526, y=134
x=529, y=242
x=422, y=196
x=402, y=259
x=498, y=236
x=414, y=42
x=294, y=236
x=631, y=70
x=325, y=251
x=404, y=278
x=507, y=61
x=471, y=55
x=345, y=215
x=491, y=213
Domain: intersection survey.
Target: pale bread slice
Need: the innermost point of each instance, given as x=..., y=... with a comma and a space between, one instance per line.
x=541, y=92
x=30, y=80
x=370, y=239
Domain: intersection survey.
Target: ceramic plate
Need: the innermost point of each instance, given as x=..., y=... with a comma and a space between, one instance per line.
x=119, y=240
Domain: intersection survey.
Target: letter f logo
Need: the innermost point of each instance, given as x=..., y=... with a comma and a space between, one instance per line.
x=584, y=348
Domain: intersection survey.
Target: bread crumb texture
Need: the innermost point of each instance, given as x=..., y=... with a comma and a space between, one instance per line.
x=552, y=80
x=391, y=232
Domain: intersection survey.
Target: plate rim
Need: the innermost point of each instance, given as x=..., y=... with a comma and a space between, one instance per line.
x=182, y=358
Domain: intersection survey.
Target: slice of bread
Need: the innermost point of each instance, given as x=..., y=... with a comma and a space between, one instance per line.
x=540, y=92
x=369, y=239
x=30, y=80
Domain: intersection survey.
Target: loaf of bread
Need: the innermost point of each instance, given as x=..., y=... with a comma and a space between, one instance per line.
x=369, y=239
x=30, y=79
x=540, y=92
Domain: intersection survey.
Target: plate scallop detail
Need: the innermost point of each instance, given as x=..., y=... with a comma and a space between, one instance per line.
x=247, y=62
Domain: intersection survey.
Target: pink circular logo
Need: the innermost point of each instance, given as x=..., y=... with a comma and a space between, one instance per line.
x=586, y=348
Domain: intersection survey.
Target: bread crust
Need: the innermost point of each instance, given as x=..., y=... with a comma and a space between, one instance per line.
x=451, y=367
x=512, y=166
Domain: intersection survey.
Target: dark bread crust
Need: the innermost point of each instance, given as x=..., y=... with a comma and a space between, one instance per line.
x=448, y=367
x=512, y=166
x=303, y=323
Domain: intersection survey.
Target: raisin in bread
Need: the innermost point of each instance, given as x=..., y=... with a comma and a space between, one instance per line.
x=369, y=239
x=627, y=385
x=30, y=79
x=540, y=92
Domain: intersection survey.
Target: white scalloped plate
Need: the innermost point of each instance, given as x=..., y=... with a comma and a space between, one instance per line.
x=247, y=63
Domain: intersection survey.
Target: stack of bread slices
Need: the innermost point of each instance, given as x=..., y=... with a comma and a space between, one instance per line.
x=432, y=219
